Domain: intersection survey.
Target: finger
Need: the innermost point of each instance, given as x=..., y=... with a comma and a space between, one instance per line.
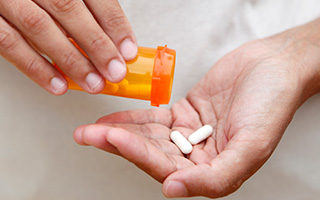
x=151, y=131
x=114, y=22
x=83, y=28
x=157, y=135
x=146, y=156
x=34, y=46
x=39, y=27
x=137, y=150
x=157, y=115
x=16, y=50
x=223, y=175
x=200, y=180
x=94, y=136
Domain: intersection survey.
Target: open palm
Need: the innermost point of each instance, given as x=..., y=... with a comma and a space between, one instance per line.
x=249, y=97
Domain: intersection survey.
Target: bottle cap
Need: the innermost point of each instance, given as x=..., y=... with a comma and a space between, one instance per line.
x=162, y=76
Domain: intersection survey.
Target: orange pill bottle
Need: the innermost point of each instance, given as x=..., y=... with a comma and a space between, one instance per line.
x=149, y=77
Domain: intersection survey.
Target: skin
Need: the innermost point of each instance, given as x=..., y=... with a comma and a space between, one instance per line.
x=249, y=96
x=31, y=29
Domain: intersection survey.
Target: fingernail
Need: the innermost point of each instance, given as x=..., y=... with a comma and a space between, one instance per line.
x=176, y=189
x=128, y=49
x=116, y=71
x=58, y=85
x=93, y=80
x=77, y=135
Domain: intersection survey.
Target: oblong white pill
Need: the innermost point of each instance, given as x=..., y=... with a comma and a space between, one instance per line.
x=200, y=134
x=181, y=142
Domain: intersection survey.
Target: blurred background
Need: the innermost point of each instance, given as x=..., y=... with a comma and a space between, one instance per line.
x=39, y=159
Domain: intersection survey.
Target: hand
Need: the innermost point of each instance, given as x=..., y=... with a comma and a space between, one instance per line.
x=29, y=29
x=249, y=97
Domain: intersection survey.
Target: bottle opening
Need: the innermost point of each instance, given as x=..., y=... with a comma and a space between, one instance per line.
x=162, y=76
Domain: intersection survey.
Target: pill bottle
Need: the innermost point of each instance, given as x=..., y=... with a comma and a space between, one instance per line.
x=149, y=76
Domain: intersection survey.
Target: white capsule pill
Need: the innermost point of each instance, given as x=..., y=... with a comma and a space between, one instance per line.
x=200, y=134
x=181, y=142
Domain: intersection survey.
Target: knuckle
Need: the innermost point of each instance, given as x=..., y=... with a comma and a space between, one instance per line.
x=98, y=42
x=33, y=66
x=34, y=21
x=69, y=59
x=114, y=21
x=7, y=39
x=64, y=5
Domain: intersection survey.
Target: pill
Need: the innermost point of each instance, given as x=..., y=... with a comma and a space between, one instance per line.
x=201, y=134
x=182, y=143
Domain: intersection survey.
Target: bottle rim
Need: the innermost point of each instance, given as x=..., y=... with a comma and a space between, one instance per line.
x=162, y=76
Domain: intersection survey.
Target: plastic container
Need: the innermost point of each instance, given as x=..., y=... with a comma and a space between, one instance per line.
x=149, y=76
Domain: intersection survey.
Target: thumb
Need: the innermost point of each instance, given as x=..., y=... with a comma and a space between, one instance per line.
x=200, y=180
x=221, y=177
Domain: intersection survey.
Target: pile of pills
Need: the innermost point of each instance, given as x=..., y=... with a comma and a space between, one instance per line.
x=184, y=144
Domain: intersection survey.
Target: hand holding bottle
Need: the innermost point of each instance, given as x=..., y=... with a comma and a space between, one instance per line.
x=29, y=29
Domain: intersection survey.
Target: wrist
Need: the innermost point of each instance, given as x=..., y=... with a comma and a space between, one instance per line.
x=301, y=47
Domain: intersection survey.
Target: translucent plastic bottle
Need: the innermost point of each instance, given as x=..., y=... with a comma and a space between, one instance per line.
x=149, y=77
